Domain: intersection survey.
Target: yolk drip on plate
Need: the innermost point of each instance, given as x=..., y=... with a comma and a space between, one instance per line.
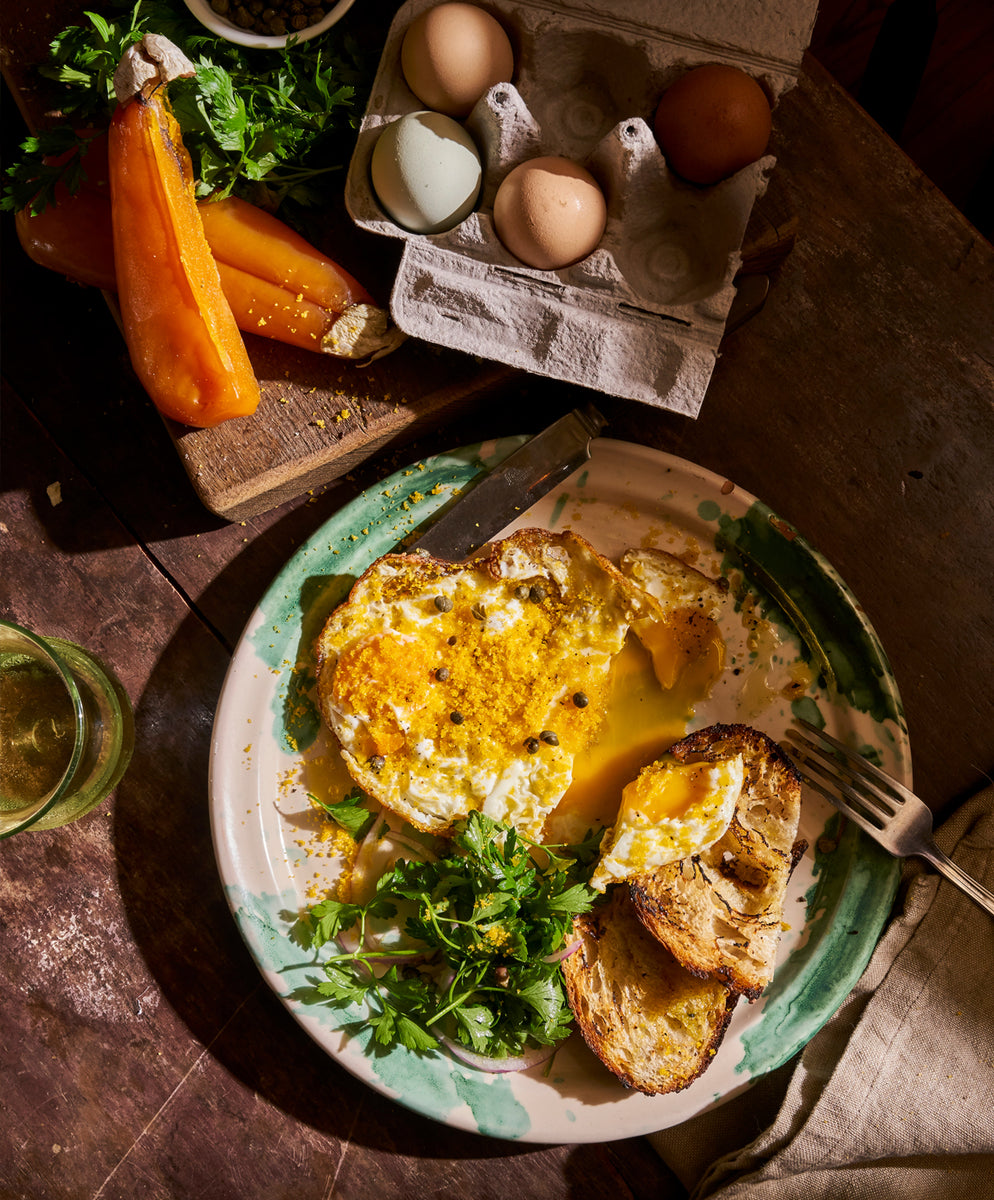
x=654, y=683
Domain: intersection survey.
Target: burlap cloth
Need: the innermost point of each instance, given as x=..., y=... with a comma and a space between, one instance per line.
x=894, y=1097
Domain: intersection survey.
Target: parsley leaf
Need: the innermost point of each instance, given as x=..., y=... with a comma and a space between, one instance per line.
x=267, y=125
x=349, y=812
x=478, y=962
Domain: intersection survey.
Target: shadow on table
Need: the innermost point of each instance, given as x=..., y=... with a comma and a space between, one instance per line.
x=260, y=1069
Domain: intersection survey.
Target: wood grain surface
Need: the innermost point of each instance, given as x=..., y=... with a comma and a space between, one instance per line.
x=142, y=1053
x=319, y=416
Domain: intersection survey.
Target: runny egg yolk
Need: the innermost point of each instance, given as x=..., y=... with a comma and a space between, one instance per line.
x=670, y=811
x=667, y=792
x=655, y=681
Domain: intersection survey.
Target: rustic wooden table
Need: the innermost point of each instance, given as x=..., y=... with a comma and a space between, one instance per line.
x=142, y=1053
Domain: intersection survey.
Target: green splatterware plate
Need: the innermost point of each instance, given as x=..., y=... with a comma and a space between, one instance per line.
x=797, y=644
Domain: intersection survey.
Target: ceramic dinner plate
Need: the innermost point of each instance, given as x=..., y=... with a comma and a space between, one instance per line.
x=797, y=645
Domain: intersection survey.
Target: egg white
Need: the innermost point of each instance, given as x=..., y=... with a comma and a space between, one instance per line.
x=650, y=833
x=439, y=774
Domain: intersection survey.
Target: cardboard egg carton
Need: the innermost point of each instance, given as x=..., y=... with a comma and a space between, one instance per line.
x=642, y=317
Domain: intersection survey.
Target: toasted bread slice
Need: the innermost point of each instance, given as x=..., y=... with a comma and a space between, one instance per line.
x=720, y=912
x=656, y=1026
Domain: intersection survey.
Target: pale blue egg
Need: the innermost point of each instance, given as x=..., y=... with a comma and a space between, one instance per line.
x=426, y=172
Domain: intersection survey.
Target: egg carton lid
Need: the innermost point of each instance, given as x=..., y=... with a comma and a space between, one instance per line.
x=592, y=324
x=778, y=30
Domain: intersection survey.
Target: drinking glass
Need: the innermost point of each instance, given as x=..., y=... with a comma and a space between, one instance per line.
x=66, y=731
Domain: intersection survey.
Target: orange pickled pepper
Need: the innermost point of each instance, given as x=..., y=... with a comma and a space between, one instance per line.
x=181, y=334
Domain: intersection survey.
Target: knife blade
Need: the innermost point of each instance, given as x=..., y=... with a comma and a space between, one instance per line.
x=512, y=486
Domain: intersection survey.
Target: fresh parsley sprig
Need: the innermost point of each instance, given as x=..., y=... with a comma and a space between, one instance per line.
x=350, y=813
x=267, y=125
x=479, y=962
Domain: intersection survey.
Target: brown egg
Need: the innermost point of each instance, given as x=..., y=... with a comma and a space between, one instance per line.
x=452, y=54
x=712, y=122
x=550, y=213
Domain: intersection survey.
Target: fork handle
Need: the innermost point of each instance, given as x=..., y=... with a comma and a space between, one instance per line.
x=955, y=874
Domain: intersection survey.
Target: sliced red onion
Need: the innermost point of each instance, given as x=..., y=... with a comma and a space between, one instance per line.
x=498, y=1066
x=378, y=851
x=420, y=851
x=565, y=952
x=348, y=939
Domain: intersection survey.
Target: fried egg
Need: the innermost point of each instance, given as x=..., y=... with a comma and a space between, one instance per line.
x=456, y=687
x=533, y=683
x=669, y=662
x=670, y=811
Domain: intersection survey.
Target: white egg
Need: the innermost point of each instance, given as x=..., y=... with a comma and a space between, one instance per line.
x=426, y=172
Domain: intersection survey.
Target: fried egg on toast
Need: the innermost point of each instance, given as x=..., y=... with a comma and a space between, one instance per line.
x=720, y=911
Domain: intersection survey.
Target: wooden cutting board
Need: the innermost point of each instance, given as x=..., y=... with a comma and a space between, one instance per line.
x=319, y=417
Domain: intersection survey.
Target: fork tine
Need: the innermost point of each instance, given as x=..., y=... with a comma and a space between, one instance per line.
x=904, y=831
x=887, y=801
x=843, y=804
x=863, y=765
x=844, y=796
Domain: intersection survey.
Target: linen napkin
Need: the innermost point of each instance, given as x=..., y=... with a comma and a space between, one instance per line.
x=894, y=1097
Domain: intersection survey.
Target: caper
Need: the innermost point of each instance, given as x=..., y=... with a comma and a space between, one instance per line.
x=270, y=17
x=521, y=592
x=442, y=673
x=456, y=718
x=443, y=604
x=377, y=762
x=479, y=612
x=531, y=745
x=550, y=738
x=580, y=700
x=537, y=593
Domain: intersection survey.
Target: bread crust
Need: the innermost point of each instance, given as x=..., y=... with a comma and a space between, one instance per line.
x=653, y=1024
x=720, y=912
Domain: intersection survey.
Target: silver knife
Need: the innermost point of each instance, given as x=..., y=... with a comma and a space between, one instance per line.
x=512, y=486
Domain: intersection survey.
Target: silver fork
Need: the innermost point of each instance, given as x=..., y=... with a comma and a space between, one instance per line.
x=881, y=806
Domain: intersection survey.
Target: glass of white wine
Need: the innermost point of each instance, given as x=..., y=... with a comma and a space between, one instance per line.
x=66, y=731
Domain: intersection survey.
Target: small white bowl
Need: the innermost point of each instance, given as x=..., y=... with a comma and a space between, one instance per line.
x=202, y=10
